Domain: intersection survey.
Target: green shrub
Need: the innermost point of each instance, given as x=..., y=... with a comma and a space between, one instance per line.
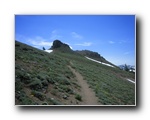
x=36, y=84
x=26, y=101
x=54, y=92
x=18, y=86
x=50, y=79
x=41, y=75
x=63, y=80
x=39, y=95
x=78, y=97
x=66, y=88
x=24, y=77
x=44, y=82
x=45, y=103
x=23, y=98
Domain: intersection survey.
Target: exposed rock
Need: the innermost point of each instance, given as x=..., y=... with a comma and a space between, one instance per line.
x=65, y=96
x=58, y=44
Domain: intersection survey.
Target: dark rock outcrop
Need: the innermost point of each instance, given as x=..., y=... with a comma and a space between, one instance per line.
x=61, y=47
x=58, y=44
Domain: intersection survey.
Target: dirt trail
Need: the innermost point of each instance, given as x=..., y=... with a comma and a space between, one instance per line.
x=88, y=96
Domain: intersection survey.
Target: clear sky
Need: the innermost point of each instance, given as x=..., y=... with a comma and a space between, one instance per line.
x=112, y=36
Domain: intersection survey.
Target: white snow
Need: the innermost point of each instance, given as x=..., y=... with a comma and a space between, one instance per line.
x=130, y=81
x=99, y=62
x=132, y=70
x=49, y=51
x=107, y=65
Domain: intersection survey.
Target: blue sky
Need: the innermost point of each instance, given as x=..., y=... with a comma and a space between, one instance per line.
x=112, y=36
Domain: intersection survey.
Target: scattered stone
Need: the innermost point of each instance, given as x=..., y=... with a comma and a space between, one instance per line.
x=32, y=95
x=65, y=96
x=74, y=91
x=44, y=90
x=28, y=74
x=52, y=98
x=18, y=92
x=56, y=84
x=22, y=69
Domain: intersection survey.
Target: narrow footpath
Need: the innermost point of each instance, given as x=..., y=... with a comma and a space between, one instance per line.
x=88, y=96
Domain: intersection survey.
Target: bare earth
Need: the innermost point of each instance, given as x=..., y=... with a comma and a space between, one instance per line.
x=88, y=96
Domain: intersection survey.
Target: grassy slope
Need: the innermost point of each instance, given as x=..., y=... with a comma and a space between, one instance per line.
x=43, y=78
x=108, y=83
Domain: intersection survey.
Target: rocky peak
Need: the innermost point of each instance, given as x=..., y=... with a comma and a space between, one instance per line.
x=58, y=45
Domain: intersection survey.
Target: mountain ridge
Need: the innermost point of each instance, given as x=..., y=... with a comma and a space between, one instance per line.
x=58, y=44
x=63, y=47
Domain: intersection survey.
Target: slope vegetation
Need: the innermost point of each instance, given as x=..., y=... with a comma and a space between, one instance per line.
x=109, y=84
x=51, y=79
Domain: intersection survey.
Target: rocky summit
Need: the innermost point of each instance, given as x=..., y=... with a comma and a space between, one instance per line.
x=57, y=44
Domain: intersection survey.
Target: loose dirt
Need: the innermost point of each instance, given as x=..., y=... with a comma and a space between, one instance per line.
x=88, y=96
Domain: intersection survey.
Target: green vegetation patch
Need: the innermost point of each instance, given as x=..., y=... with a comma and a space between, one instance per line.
x=37, y=71
x=78, y=97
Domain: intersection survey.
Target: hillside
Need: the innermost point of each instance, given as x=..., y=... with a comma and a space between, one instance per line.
x=63, y=76
x=93, y=55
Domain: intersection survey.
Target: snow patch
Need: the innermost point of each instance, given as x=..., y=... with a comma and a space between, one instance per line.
x=130, y=81
x=49, y=51
x=99, y=62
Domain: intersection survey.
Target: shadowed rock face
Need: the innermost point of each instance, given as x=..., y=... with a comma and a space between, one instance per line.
x=59, y=44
